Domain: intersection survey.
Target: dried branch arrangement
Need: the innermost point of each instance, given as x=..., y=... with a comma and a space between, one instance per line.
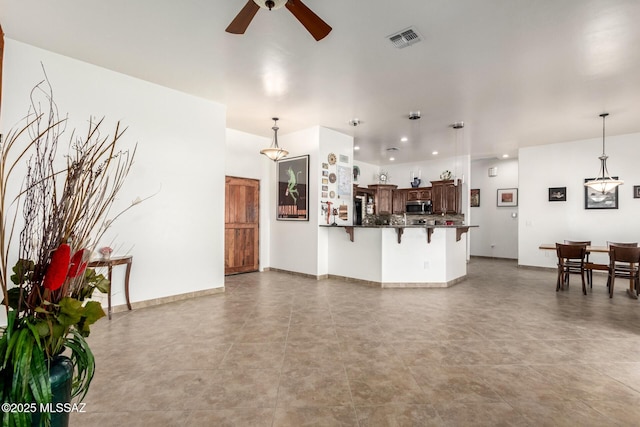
x=61, y=205
x=67, y=205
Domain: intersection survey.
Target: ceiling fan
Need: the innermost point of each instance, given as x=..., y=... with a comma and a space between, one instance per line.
x=312, y=22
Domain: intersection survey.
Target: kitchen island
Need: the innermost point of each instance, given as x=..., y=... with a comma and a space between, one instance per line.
x=399, y=255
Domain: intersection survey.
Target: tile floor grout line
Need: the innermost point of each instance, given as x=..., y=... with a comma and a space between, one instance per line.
x=284, y=354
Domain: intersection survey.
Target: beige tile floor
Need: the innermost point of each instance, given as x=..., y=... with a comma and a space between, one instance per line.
x=501, y=348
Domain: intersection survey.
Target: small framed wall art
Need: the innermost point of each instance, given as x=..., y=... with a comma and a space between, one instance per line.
x=507, y=197
x=557, y=194
x=636, y=191
x=474, y=198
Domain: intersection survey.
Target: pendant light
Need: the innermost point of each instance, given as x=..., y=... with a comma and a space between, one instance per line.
x=603, y=183
x=274, y=152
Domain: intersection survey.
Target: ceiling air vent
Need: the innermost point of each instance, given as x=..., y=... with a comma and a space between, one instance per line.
x=405, y=38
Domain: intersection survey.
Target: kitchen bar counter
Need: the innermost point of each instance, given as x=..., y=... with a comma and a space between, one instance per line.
x=416, y=255
x=460, y=229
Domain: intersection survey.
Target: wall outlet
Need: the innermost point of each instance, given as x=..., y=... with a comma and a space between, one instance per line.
x=426, y=265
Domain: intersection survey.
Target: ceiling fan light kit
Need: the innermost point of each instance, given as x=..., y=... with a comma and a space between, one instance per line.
x=270, y=4
x=312, y=22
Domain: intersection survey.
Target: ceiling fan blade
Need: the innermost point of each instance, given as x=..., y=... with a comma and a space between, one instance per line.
x=312, y=22
x=243, y=19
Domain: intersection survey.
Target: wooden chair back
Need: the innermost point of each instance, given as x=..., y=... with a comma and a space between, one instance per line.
x=628, y=254
x=627, y=245
x=578, y=242
x=571, y=252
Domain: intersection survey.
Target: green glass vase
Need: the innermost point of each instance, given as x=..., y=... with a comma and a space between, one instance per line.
x=61, y=376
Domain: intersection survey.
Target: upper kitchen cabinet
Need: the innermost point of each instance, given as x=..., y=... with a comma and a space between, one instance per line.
x=445, y=196
x=421, y=194
x=400, y=200
x=383, y=197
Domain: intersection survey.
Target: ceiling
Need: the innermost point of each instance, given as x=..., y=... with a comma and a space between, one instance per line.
x=517, y=72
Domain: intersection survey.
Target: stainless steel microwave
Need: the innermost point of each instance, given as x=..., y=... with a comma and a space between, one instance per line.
x=419, y=207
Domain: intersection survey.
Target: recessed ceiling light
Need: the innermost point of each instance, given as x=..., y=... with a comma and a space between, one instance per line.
x=392, y=158
x=504, y=156
x=357, y=147
x=404, y=139
x=435, y=153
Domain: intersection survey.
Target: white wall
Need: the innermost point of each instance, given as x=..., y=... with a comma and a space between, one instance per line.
x=301, y=246
x=367, y=173
x=332, y=142
x=177, y=237
x=497, y=234
x=567, y=165
x=294, y=244
x=243, y=159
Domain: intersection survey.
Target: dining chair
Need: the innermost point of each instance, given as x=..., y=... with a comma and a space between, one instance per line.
x=588, y=271
x=624, y=262
x=571, y=259
x=621, y=266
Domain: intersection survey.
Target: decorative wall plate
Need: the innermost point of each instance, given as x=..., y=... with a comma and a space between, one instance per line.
x=331, y=158
x=332, y=194
x=332, y=177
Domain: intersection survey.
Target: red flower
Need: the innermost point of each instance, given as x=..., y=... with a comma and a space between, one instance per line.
x=77, y=266
x=58, y=268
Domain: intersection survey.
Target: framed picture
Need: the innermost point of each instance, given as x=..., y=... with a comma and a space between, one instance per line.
x=596, y=200
x=507, y=197
x=636, y=191
x=293, y=189
x=474, y=198
x=557, y=194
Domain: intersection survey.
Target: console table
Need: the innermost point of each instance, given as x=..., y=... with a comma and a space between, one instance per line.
x=110, y=263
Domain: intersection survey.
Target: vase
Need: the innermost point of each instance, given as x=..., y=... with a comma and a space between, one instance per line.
x=60, y=376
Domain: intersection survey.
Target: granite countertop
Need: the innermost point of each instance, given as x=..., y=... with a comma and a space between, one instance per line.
x=402, y=226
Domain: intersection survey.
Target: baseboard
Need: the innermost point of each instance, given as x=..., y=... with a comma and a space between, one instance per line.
x=535, y=267
x=399, y=285
x=167, y=299
x=297, y=273
x=493, y=257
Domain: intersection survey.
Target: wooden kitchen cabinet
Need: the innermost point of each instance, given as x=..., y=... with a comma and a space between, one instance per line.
x=421, y=194
x=399, y=200
x=445, y=196
x=383, y=197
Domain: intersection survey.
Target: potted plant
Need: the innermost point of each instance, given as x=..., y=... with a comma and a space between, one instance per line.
x=49, y=226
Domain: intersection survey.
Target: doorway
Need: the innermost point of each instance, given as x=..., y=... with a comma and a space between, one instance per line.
x=242, y=232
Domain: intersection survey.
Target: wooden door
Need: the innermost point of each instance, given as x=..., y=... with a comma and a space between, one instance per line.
x=241, y=234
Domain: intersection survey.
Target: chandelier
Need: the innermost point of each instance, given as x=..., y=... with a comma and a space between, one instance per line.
x=603, y=183
x=274, y=152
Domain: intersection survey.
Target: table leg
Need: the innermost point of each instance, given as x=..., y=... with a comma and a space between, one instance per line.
x=126, y=284
x=109, y=294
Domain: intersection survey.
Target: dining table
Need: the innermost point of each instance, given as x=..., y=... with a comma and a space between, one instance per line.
x=593, y=265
